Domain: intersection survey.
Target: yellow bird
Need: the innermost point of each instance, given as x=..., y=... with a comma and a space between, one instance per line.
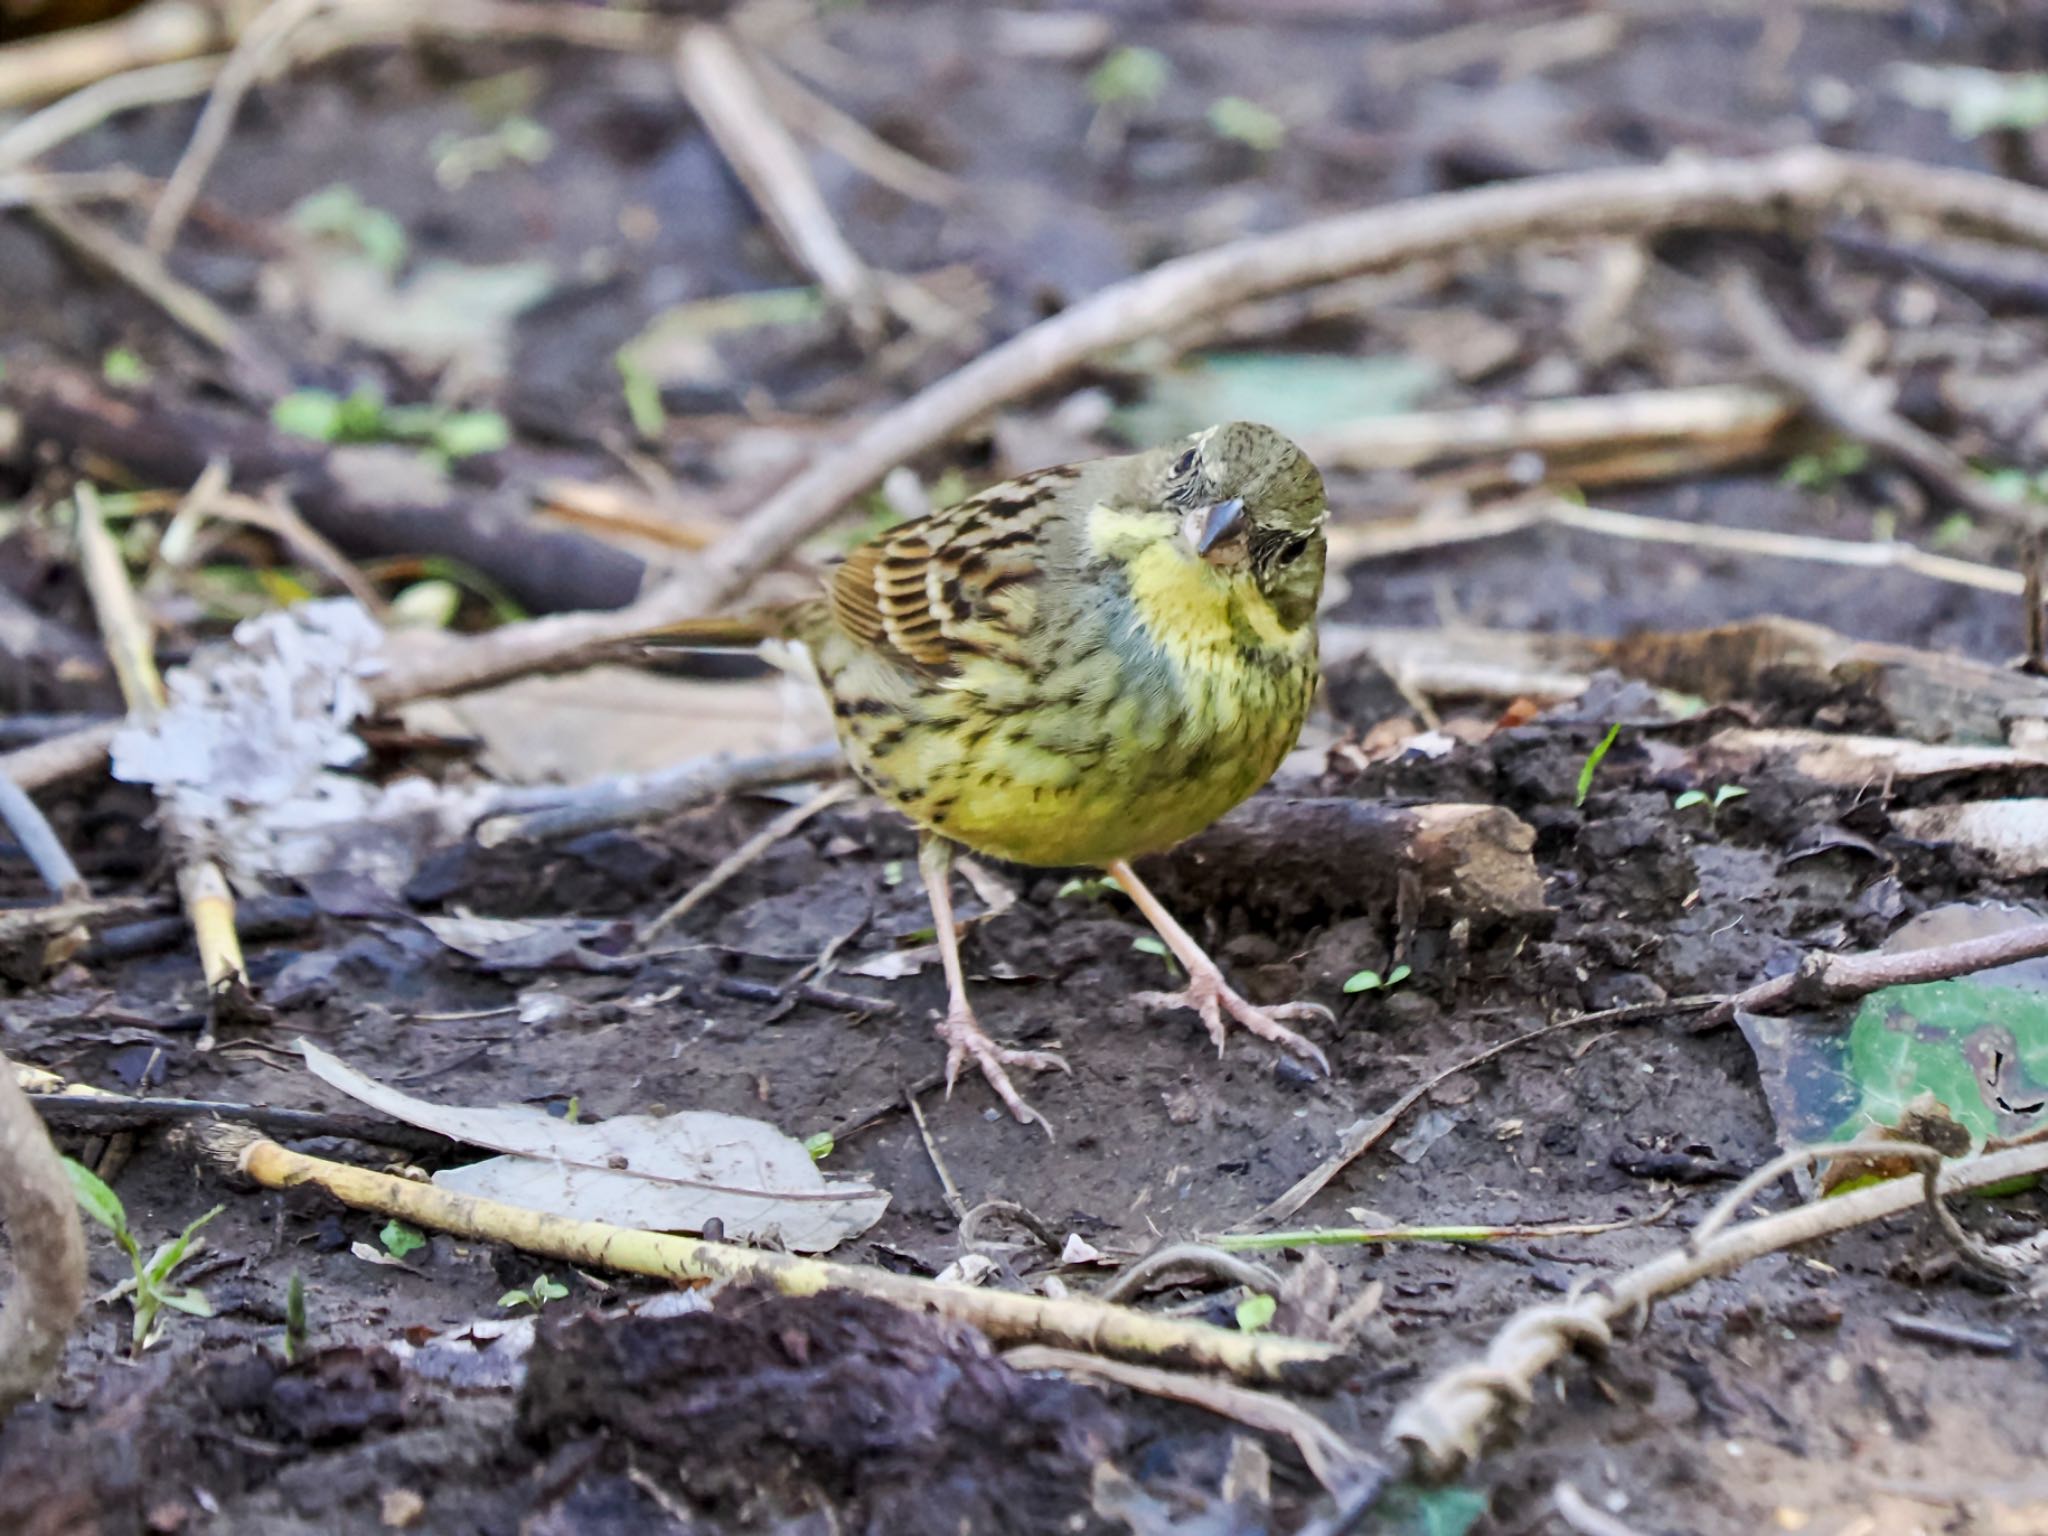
x=1077, y=667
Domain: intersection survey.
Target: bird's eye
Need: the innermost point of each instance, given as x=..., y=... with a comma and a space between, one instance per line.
x=1185, y=465
x=1291, y=550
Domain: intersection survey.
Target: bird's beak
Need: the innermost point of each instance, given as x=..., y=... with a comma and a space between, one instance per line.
x=1218, y=524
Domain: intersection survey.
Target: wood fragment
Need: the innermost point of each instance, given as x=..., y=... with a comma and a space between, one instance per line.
x=58, y=63
x=47, y=1243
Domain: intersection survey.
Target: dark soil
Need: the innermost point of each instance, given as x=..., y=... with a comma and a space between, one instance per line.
x=1778, y=1395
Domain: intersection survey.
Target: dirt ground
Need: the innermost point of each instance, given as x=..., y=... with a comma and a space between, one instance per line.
x=1780, y=1398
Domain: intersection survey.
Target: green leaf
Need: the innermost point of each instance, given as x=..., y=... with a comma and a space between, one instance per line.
x=1129, y=77
x=96, y=1198
x=427, y=605
x=546, y=1290
x=819, y=1146
x=314, y=413
x=1088, y=887
x=1247, y=123
x=1149, y=945
x=892, y=873
x=1689, y=799
x=1364, y=981
x=399, y=1239
x=1592, y=764
x=643, y=398
x=123, y=369
x=1255, y=1312
x=191, y=1302
x=1399, y=974
x=515, y=1299
x=339, y=212
x=465, y=434
x=295, y=1317
x=1726, y=793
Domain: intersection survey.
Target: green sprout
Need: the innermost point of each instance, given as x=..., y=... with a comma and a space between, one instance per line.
x=1246, y=123
x=1592, y=764
x=399, y=1239
x=1149, y=944
x=1255, y=1312
x=150, y=1288
x=339, y=213
x=123, y=369
x=1827, y=467
x=537, y=1295
x=1720, y=797
x=363, y=416
x=1373, y=981
x=295, y=1318
x=1129, y=77
x=1089, y=887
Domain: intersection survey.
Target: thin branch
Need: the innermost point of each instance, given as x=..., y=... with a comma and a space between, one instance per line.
x=852, y=140
x=84, y=110
x=1857, y=405
x=720, y=85
x=1380, y=541
x=1444, y=1425
x=48, y=1245
x=25, y=819
x=258, y=47
x=747, y=852
x=630, y=798
x=58, y=63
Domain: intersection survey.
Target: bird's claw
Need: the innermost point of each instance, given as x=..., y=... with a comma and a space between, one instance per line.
x=964, y=1038
x=1211, y=997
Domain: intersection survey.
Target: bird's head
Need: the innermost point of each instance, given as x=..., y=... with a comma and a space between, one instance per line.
x=1252, y=506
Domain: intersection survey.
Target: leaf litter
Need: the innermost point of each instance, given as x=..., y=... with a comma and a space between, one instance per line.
x=671, y=1173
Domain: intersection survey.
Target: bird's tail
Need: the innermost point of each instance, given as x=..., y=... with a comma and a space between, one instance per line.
x=717, y=629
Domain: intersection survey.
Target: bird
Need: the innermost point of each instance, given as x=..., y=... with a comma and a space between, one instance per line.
x=1075, y=668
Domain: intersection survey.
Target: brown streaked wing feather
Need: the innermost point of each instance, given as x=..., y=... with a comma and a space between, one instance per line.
x=957, y=581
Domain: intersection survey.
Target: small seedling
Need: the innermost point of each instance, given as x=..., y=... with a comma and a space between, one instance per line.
x=892, y=873
x=819, y=1146
x=123, y=369
x=1373, y=981
x=1828, y=467
x=295, y=1318
x=362, y=416
x=150, y=1287
x=537, y=1295
x=1246, y=123
x=1089, y=887
x=1149, y=944
x=1719, y=798
x=1592, y=764
x=399, y=1239
x=1255, y=1312
x=339, y=212
x=1129, y=77
x=1953, y=531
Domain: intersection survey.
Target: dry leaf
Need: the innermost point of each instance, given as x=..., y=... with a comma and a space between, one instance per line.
x=667, y=1175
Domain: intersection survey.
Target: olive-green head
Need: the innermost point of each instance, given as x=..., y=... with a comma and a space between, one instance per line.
x=1253, y=505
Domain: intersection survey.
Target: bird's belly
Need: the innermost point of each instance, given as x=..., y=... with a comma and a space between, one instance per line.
x=1130, y=771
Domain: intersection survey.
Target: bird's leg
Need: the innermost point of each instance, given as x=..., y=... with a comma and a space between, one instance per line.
x=1207, y=992
x=963, y=1036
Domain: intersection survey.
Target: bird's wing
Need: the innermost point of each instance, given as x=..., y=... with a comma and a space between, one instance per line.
x=959, y=582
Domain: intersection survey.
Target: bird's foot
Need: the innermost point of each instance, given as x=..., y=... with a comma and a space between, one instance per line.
x=1212, y=997
x=964, y=1038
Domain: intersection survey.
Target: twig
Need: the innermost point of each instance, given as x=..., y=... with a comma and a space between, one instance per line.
x=746, y=853
x=1334, y=1461
x=1141, y=1273
x=101, y=1111
x=1443, y=1426
x=202, y=887
x=25, y=819
x=852, y=140
x=42, y=68
x=1859, y=406
x=48, y=1245
x=629, y=798
x=185, y=306
x=22, y=189
x=1326, y=1237
x=955, y=1201
x=254, y=51
x=1578, y=1512
x=1410, y=440
x=83, y=110
x=721, y=87
x=1386, y=540
x=1005, y=1316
